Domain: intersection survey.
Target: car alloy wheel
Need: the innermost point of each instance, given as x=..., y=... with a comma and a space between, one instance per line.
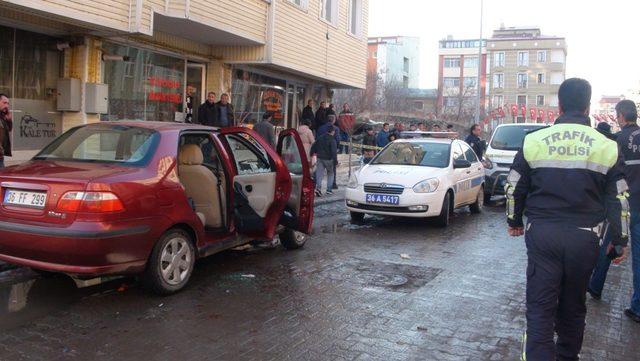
x=176, y=260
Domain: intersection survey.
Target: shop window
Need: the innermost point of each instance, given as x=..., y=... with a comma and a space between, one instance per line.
x=254, y=94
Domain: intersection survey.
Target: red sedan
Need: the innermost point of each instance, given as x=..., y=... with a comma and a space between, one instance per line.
x=119, y=198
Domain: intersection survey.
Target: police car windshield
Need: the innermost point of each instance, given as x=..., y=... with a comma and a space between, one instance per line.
x=511, y=137
x=427, y=154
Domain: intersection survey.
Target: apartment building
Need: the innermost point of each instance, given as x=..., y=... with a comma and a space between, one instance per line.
x=395, y=60
x=526, y=69
x=68, y=62
x=458, y=68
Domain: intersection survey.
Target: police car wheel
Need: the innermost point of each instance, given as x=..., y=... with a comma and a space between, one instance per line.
x=477, y=206
x=443, y=219
x=356, y=217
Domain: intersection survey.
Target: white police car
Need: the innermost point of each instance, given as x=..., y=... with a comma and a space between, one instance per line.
x=418, y=177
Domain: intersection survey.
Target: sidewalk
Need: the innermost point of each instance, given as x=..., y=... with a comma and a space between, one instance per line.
x=342, y=179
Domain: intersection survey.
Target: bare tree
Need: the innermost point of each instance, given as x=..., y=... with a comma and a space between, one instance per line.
x=465, y=103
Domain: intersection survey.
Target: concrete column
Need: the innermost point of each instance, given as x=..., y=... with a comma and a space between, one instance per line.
x=219, y=76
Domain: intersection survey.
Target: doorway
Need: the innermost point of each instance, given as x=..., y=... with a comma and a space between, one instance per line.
x=295, y=104
x=194, y=91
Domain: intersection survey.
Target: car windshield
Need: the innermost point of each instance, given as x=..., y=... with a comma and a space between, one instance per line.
x=511, y=137
x=103, y=144
x=427, y=154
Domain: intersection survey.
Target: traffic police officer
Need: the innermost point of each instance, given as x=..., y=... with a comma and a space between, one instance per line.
x=570, y=179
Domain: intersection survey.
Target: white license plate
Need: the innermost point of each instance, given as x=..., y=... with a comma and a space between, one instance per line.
x=17, y=197
x=382, y=199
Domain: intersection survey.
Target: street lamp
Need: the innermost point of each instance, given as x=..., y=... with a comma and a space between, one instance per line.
x=478, y=89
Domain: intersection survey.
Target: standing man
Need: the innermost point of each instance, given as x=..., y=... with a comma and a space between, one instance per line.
x=436, y=128
x=266, y=129
x=307, y=112
x=369, y=140
x=324, y=129
x=564, y=220
x=382, y=138
x=326, y=149
x=6, y=124
x=225, y=112
x=208, y=111
x=321, y=116
x=473, y=139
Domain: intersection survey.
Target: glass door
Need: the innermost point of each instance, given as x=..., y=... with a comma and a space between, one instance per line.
x=194, y=91
x=295, y=104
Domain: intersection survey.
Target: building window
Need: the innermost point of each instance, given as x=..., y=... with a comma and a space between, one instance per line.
x=498, y=81
x=553, y=102
x=540, y=78
x=355, y=17
x=498, y=59
x=302, y=4
x=557, y=78
x=542, y=56
x=521, y=100
x=418, y=105
x=470, y=81
x=405, y=65
x=405, y=81
x=451, y=62
x=498, y=101
x=557, y=56
x=522, y=80
x=471, y=62
x=330, y=11
x=452, y=82
x=540, y=100
x=523, y=58
x=450, y=101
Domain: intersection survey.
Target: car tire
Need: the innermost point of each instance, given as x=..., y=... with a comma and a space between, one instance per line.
x=443, y=219
x=356, y=217
x=171, y=263
x=292, y=239
x=477, y=206
x=487, y=199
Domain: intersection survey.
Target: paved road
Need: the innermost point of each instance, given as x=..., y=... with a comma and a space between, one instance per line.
x=348, y=295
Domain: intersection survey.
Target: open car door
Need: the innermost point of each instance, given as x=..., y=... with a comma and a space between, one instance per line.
x=298, y=213
x=261, y=183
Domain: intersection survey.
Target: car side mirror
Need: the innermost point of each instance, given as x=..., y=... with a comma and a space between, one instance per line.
x=461, y=163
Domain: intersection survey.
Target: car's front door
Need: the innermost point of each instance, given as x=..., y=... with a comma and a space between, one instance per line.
x=461, y=176
x=300, y=204
x=476, y=171
x=261, y=183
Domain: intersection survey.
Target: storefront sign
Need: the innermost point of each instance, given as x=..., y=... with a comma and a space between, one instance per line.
x=272, y=102
x=165, y=97
x=35, y=124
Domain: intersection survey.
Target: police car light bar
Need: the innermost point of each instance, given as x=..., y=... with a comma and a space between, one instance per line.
x=423, y=134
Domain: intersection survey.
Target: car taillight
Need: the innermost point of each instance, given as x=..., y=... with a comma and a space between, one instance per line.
x=90, y=202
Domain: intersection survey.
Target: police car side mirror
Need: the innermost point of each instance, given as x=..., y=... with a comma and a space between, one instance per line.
x=461, y=163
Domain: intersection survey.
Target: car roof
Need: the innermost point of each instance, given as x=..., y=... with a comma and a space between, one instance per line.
x=522, y=125
x=426, y=140
x=155, y=125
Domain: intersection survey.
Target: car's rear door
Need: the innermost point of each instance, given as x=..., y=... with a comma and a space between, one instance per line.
x=261, y=182
x=300, y=203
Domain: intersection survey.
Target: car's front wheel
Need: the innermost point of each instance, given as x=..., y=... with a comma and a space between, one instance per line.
x=356, y=217
x=443, y=219
x=477, y=206
x=291, y=239
x=171, y=263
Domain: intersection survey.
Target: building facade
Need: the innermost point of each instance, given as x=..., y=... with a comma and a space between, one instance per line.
x=66, y=63
x=458, y=68
x=395, y=60
x=526, y=69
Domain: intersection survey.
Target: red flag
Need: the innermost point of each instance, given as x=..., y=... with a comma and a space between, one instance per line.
x=532, y=113
x=514, y=110
x=613, y=119
x=523, y=110
x=550, y=116
x=501, y=112
x=541, y=114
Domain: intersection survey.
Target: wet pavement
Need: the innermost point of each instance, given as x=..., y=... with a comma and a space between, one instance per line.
x=387, y=289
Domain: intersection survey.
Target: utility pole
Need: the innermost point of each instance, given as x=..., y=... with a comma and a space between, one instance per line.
x=478, y=88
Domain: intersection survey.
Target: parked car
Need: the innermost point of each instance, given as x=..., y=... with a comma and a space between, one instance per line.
x=419, y=177
x=505, y=142
x=150, y=198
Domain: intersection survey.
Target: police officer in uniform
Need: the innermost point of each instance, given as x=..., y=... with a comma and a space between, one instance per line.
x=569, y=178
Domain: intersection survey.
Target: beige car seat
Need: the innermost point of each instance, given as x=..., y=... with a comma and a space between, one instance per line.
x=200, y=184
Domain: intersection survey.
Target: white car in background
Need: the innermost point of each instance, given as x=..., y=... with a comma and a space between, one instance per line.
x=420, y=177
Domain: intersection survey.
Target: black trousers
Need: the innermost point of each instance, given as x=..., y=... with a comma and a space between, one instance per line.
x=560, y=261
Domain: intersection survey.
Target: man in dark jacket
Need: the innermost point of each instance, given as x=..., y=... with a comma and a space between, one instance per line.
x=473, y=139
x=266, y=129
x=564, y=220
x=208, y=111
x=307, y=112
x=326, y=149
x=324, y=129
x=225, y=112
x=320, y=117
x=369, y=141
x=6, y=124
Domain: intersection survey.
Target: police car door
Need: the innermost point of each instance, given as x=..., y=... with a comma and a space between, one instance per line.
x=461, y=176
x=476, y=171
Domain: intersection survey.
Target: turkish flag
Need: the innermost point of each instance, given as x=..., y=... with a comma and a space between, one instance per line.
x=501, y=112
x=541, y=114
x=613, y=119
x=550, y=115
x=523, y=110
x=532, y=113
x=514, y=110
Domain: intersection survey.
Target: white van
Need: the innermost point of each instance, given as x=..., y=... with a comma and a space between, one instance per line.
x=505, y=142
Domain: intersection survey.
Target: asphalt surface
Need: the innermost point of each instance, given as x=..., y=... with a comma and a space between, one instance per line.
x=387, y=289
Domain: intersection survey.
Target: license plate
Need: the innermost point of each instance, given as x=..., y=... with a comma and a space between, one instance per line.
x=382, y=199
x=22, y=198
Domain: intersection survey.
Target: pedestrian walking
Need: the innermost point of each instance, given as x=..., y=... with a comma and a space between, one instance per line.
x=326, y=150
x=266, y=129
x=225, y=112
x=473, y=139
x=628, y=140
x=306, y=135
x=331, y=124
x=307, y=112
x=208, y=111
x=564, y=220
x=369, y=139
x=6, y=122
x=345, y=124
x=382, y=138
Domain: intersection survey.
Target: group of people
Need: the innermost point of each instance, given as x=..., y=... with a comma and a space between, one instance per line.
x=216, y=114
x=580, y=192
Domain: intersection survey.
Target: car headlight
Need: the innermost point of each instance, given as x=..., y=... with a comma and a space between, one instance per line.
x=353, y=182
x=427, y=186
x=487, y=163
